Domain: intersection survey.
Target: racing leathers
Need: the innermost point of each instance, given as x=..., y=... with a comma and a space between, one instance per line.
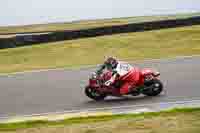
x=123, y=73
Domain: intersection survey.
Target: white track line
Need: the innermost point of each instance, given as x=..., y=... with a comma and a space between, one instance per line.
x=106, y=108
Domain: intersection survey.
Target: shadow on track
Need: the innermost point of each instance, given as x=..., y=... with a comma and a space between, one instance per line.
x=128, y=100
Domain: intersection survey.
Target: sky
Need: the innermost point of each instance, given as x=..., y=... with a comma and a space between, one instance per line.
x=23, y=12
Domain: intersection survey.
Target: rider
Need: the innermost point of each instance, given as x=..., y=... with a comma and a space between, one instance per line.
x=118, y=69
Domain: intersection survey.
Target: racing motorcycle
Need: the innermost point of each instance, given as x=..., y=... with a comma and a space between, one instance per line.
x=147, y=83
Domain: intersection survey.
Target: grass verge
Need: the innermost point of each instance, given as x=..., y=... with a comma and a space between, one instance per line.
x=164, y=43
x=89, y=24
x=175, y=120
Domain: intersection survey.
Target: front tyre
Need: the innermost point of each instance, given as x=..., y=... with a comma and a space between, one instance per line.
x=154, y=89
x=94, y=94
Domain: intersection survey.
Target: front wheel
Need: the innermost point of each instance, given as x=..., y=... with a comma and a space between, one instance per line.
x=154, y=89
x=94, y=94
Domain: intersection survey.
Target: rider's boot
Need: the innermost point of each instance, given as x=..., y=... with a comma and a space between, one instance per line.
x=115, y=91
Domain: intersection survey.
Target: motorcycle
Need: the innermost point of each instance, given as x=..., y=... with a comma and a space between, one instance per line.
x=147, y=83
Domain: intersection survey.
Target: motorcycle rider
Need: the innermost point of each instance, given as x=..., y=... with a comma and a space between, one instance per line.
x=118, y=69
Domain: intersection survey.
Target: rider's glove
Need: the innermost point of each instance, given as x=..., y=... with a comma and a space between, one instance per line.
x=108, y=83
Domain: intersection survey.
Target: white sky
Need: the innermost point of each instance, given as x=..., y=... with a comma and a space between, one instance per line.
x=20, y=12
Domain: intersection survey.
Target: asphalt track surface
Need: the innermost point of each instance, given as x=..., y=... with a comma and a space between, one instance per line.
x=63, y=90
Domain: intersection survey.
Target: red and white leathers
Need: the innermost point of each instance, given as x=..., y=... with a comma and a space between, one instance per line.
x=126, y=73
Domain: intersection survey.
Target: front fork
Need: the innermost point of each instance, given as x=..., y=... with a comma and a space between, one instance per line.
x=145, y=85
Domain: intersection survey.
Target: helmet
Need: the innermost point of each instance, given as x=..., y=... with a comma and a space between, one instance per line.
x=111, y=62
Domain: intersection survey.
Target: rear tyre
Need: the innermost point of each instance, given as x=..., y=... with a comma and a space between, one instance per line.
x=94, y=94
x=154, y=89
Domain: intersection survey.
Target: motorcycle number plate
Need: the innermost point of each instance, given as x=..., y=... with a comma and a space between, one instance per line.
x=125, y=67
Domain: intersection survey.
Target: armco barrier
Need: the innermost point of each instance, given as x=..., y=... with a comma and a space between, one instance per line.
x=30, y=39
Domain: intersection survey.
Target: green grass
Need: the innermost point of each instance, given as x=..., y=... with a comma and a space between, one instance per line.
x=89, y=23
x=89, y=51
x=187, y=112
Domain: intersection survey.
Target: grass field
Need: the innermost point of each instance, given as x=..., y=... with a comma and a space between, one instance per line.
x=75, y=53
x=174, y=121
x=89, y=24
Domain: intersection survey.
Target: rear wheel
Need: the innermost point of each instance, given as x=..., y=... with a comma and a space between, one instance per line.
x=153, y=89
x=94, y=94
